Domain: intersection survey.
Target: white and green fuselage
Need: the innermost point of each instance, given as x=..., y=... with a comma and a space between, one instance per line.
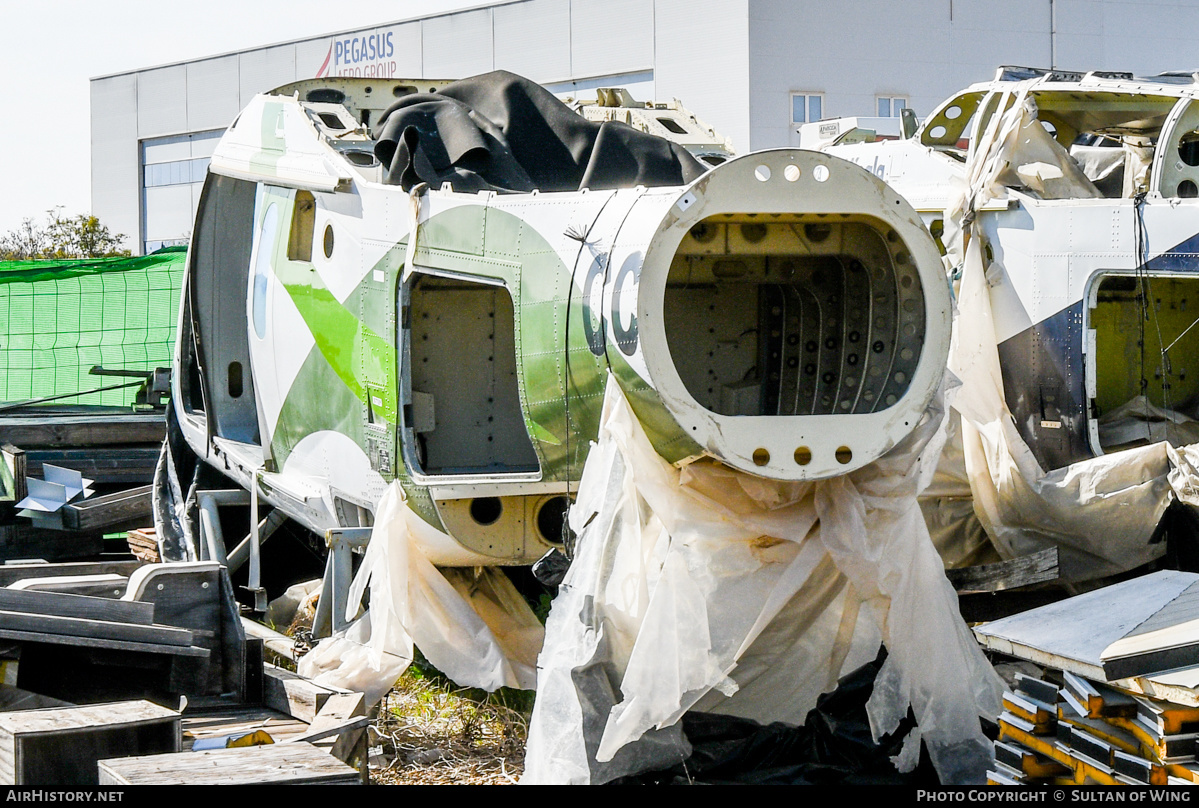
x=786, y=314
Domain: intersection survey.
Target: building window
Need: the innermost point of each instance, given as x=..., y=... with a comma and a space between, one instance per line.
x=178, y=172
x=806, y=107
x=891, y=106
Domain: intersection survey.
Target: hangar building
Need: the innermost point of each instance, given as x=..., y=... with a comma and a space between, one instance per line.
x=753, y=69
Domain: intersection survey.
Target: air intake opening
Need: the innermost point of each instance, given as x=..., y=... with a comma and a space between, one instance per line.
x=794, y=314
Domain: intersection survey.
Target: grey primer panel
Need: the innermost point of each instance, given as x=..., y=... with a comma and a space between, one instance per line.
x=1044, y=387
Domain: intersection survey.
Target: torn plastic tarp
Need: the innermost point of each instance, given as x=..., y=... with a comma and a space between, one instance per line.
x=470, y=623
x=501, y=132
x=690, y=586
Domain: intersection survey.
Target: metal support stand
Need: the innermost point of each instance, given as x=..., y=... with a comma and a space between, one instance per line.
x=343, y=542
x=212, y=541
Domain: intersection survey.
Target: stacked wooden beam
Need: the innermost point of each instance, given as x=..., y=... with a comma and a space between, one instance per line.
x=1067, y=729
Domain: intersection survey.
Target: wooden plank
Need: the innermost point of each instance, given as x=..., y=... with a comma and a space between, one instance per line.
x=344, y=718
x=96, y=586
x=106, y=465
x=85, y=430
x=53, y=626
x=100, y=513
x=87, y=641
x=1030, y=569
x=59, y=604
x=333, y=729
x=23, y=541
x=274, y=764
x=62, y=746
x=292, y=694
x=11, y=573
x=143, y=544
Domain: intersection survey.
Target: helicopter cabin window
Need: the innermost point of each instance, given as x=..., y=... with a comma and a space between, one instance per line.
x=464, y=415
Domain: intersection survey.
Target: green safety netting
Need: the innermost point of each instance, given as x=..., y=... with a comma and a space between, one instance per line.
x=60, y=318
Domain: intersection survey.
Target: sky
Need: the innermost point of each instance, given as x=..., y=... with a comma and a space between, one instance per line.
x=53, y=47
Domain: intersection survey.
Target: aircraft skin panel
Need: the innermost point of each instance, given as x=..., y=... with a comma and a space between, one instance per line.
x=1043, y=365
x=1051, y=412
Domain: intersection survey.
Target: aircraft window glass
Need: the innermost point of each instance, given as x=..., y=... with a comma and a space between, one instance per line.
x=328, y=241
x=303, y=223
x=1187, y=189
x=262, y=267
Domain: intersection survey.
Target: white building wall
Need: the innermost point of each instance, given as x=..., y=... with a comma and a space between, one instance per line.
x=533, y=39
x=854, y=52
x=702, y=59
x=162, y=101
x=213, y=93
x=458, y=45
x=608, y=37
x=1134, y=35
x=267, y=67
x=115, y=176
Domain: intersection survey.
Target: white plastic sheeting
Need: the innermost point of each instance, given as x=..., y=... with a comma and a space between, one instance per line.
x=470, y=623
x=692, y=586
x=1101, y=513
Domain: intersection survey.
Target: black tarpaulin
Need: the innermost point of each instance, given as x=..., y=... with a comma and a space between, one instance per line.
x=501, y=132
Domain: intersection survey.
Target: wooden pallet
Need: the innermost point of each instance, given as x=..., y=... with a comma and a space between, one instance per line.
x=273, y=764
x=62, y=746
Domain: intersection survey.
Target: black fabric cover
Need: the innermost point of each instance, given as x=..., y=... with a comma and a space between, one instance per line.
x=501, y=132
x=834, y=746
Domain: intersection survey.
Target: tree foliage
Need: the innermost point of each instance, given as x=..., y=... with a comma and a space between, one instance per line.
x=79, y=236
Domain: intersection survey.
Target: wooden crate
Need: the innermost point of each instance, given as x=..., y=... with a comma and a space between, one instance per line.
x=62, y=746
x=273, y=764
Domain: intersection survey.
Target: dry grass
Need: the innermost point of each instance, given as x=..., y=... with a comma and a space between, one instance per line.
x=434, y=734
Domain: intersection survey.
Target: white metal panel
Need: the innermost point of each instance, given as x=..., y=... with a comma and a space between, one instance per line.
x=213, y=99
x=532, y=39
x=203, y=143
x=611, y=36
x=310, y=56
x=406, y=41
x=114, y=171
x=265, y=69
x=166, y=150
x=458, y=45
x=168, y=213
x=162, y=101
